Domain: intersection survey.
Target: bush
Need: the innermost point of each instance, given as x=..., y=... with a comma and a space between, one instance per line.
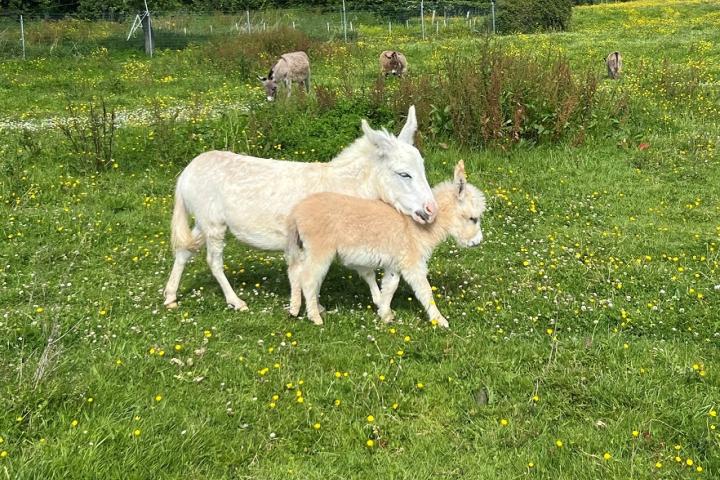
x=499, y=99
x=533, y=15
x=255, y=53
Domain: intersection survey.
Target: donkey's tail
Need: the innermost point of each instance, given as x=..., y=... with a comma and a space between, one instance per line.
x=181, y=236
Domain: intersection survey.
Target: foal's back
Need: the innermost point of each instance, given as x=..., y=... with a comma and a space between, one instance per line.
x=331, y=220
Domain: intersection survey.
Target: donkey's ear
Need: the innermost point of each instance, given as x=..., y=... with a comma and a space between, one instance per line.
x=460, y=178
x=407, y=134
x=380, y=138
x=262, y=79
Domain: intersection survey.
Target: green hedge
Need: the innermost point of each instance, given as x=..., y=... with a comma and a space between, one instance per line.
x=533, y=15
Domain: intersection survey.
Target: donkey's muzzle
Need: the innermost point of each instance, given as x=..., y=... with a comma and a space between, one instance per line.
x=430, y=209
x=422, y=215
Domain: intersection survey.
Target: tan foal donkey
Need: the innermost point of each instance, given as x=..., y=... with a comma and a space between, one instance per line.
x=369, y=234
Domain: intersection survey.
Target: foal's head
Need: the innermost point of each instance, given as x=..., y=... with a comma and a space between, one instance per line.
x=463, y=206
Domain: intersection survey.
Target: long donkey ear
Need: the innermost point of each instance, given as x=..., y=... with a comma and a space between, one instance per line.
x=380, y=138
x=407, y=134
x=262, y=79
x=460, y=179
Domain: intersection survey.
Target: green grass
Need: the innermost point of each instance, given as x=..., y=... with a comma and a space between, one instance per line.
x=594, y=291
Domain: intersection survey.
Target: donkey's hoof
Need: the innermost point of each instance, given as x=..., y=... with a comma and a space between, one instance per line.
x=238, y=305
x=442, y=322
x=293, y=311
x=172, y=305
x=322, y=310
x=388, y=316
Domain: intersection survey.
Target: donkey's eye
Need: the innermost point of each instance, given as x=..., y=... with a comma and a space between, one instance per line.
x=473, y=219
x=404, y=174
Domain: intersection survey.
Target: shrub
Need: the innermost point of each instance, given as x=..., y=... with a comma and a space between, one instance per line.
x=255, y=53
x=533, y=15
x=91, y=134
x=500, y=99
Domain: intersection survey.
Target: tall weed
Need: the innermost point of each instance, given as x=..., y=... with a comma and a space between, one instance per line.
x=500, y=99
x=255, y=53
x=91, y=134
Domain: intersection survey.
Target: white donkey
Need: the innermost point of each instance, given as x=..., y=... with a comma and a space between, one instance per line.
x=369, y=234
x=253, y=196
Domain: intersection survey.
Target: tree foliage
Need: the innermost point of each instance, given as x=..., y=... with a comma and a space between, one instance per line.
x=533, y=15
x=96, y=8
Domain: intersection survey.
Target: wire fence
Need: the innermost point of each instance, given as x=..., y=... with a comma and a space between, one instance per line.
x=23, y=36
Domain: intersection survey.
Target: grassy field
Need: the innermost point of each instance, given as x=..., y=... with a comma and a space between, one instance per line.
x=584, y=331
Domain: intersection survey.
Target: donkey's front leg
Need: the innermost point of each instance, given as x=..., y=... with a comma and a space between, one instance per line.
x=418, y=282
x=288, y=86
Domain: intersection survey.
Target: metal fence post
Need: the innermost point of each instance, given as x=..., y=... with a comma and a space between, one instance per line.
x=344, y=17
x=22, y=35
x=492, y=3
x=422, y=18
x=247, y=18
x=147, y=30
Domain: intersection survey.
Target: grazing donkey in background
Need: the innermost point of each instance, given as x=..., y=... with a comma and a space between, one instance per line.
x=292, y=67
x=392, y=62
x=253, y=196
x=368, y=234
x=614, y=65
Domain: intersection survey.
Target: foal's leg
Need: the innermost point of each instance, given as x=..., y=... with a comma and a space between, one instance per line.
x=311, y=277
x=215, y=243
x=417, y=279
x=389, y=285
x=368, y=274
x=182, y=256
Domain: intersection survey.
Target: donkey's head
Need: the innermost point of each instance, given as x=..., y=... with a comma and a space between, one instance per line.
x=399, y=171
x=394, y=62
x=270, y=85
x=463, y=206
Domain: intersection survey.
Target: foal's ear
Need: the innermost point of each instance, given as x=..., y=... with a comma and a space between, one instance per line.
x=407, y=134
x=262, y=79
x=460, y=178
x=380, y=138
